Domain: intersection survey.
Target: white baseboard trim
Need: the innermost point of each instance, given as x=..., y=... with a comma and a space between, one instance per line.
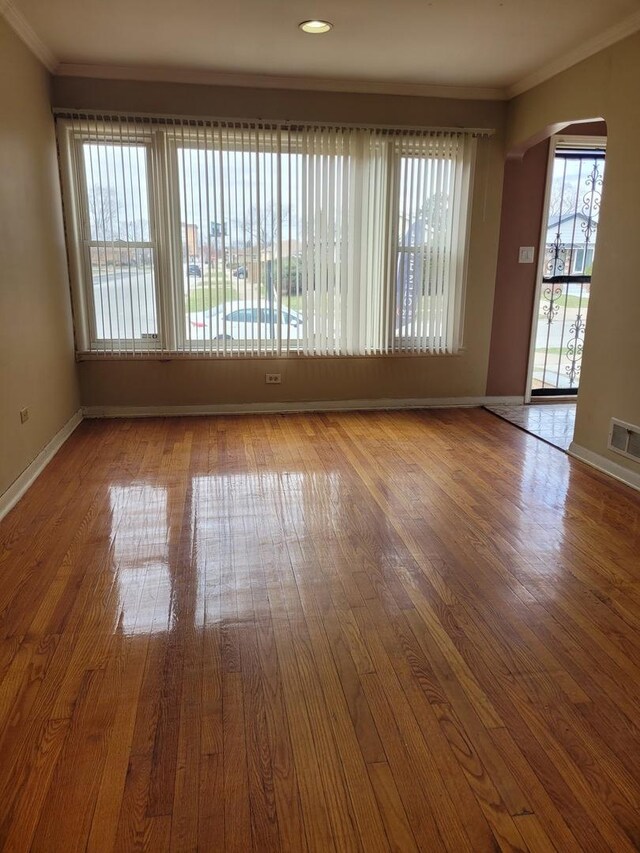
x=606, y=466
x=16, y=490
x=305, y=406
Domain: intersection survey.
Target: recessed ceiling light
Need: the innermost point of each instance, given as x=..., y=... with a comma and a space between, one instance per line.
x=315, y=27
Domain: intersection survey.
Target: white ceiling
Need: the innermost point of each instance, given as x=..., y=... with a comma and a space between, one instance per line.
x=490, y=44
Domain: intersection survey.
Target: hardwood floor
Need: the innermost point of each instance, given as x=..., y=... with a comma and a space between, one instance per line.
x=383, y=631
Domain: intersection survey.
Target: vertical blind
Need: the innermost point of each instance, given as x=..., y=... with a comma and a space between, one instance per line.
x=239, y=238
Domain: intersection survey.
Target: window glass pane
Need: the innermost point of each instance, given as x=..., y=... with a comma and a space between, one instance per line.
x=578, y=261
x=425, y=208
x=117, y=200
x=574, y=212
x=590, y=256
x=121, y=256
x=238, y=224
x=124, y=294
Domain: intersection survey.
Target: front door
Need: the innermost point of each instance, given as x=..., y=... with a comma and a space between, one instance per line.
x=569, y=243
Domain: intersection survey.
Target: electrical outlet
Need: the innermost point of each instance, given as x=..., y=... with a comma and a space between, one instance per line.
x=273, y=378
x=24, y=415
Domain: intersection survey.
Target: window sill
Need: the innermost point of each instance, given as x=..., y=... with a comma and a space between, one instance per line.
x=253, y=356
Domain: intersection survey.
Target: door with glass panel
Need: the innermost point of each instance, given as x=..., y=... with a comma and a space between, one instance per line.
x=569, y=245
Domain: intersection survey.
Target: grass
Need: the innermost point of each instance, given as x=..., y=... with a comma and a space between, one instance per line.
x=320, y=303
x=209, y=292
x=571, y=305
x=202, y=297
x=566, y=301
x=293, y=302
x=550, y=351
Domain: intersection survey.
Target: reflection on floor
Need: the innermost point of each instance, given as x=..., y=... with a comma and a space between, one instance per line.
x=552, y=422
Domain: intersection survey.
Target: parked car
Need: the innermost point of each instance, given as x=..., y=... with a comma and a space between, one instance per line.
x=244, y=321
x=240, y=272
x=194, y=270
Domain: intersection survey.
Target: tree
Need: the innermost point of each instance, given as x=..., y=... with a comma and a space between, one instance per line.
x=416, y=228
x=104, y=213
x=562, y=200
x=292, y=276
x=137, y=230
x=261, y=226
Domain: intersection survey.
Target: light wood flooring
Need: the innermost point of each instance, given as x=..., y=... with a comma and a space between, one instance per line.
x=337, y=632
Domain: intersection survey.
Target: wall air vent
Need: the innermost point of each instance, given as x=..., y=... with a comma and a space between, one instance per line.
x=625, y=439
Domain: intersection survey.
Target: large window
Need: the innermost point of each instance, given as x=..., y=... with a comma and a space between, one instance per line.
x=211, y=238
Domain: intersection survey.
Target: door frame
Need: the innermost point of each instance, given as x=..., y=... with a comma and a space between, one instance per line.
x=554, y=141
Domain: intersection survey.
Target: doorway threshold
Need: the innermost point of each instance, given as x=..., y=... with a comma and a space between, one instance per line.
x=553, y=398
x=552, y=422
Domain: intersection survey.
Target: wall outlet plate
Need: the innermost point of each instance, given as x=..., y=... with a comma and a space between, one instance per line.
x=24, y=415
x=273, y=378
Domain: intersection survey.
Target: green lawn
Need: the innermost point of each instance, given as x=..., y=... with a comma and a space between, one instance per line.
x=293, y=302
x=550, y=351
x=209, y=292
x=201, y=297
x=320, y=302
x=568, y=302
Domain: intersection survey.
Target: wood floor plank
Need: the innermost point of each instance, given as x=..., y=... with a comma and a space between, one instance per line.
x=237, y=811
x=319, y=633
x=370, y=829
x=399, y=834
x=65, y=818
x=22, y=807
x=318, y=830
x=104, y=823
x=134, y=828
x=211, y=832
x=284, y=779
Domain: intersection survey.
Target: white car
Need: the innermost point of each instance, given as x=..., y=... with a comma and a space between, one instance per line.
x=244, y=321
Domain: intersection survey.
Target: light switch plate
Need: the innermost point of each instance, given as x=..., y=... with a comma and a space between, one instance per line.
x=526, y=255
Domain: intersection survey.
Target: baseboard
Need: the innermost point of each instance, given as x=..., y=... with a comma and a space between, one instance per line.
x=16, y=490
x=306, y=406
x=605, y=465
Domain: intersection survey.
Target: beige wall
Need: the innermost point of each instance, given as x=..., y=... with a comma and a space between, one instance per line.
x=233, y=102
x=605, y=85
x=196, y=383
x=37, y=366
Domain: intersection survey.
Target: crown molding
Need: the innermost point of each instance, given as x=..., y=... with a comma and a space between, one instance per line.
x=605, y=39
x=25, y=31
x=267, y=81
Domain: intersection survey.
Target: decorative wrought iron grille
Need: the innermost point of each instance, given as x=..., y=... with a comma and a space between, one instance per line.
x=574, y=207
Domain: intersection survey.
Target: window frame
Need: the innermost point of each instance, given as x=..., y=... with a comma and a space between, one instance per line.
x=80, y=241
x=461, y=209
x=162, y=144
